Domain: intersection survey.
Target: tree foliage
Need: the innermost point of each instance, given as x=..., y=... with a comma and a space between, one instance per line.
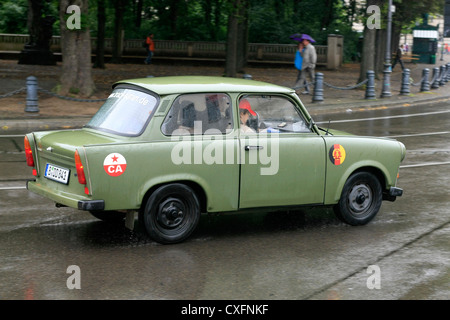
x=407, y=14
x=13, y=16
x=269, y=21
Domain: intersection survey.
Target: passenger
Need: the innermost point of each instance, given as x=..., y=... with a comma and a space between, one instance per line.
x=188, y=117
x=245, y=110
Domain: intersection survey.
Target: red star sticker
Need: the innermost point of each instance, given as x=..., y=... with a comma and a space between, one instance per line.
x=114, y=158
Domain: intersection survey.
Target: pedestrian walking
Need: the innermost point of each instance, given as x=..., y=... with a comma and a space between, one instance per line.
x=150, y=48
x=309, y=61
x=298, y=64
x=398, y=58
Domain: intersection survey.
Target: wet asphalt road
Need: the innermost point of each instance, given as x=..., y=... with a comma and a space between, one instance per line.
x=306, y=254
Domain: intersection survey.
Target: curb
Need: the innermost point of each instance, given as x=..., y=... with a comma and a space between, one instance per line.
x=22, y=126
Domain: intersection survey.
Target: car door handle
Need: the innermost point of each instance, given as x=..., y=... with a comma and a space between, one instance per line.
x=248, y=148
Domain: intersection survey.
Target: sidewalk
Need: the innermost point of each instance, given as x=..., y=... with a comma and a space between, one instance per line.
x=55, y=113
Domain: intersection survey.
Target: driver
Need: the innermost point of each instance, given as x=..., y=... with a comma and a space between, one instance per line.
x=245, y=110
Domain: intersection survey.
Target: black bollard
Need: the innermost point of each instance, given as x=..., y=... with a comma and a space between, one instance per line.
x=445, y=78
x=370, y=87
x=404, y=90
x=32, y=96
x=386, y=91
x=318, y=88
x=425, y=83
x=435, y=83
x=443, y=75
x=448, y=72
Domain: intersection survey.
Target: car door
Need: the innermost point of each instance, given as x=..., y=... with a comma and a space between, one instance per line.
x=203, y=147
x=282, y=160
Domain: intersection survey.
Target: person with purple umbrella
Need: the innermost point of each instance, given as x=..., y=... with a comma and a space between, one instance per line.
x=309, y=62
x=298, y=62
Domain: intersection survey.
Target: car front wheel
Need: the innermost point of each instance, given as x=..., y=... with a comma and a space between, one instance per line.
x=171, y=213
x=360, y=199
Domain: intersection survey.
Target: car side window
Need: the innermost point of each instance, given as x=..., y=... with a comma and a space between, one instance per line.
x=270, y=114
x=201, y=113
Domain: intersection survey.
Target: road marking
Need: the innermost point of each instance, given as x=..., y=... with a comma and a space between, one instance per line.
x=387, y=117
x=425, y=165
x=12, y=136
x=12, y=188
x=418, y=134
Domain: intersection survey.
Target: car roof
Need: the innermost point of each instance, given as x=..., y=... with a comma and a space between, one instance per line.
x=193, y=84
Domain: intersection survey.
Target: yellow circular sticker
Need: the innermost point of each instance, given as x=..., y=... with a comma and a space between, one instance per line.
x=337, y=154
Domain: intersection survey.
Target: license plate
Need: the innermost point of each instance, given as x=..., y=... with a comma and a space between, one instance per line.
x=56, y=173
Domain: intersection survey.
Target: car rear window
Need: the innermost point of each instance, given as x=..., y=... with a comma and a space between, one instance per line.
x=126, y=112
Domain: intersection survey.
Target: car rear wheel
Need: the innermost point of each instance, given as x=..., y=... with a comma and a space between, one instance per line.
x=109, y=216
x=172, y=213
x=360, y=199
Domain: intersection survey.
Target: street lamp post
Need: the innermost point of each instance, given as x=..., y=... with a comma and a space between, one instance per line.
x=386, y=91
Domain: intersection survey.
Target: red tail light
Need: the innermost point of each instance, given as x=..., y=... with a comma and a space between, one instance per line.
x=28, y=152
x=80, y=169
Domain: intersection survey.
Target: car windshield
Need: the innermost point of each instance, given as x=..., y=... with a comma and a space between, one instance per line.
x=125, y=112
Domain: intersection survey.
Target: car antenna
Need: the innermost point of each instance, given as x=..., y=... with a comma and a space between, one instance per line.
x=328, y=128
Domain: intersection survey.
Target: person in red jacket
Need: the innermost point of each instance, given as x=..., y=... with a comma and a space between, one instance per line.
x=150, y=48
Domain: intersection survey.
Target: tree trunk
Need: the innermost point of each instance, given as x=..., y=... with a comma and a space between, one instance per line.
x=232, y=35
x=37, y=50
x=242, y=37
x=33, y=21
x=217, y=18
x=395, y=40
x=237, y=38
x=173, y=16
x=370, y=49
x=118, y=32
x=101, y=21
x=76, y=76
x=207, y=8
x=368, y=53
x=380, y=53
x=328, y=14
x=140, y=5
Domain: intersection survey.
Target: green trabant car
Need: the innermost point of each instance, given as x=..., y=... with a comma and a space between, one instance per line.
x=171, y=148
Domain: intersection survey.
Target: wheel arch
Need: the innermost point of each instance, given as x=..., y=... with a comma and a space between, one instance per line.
x=379, y=173
x=198, y=190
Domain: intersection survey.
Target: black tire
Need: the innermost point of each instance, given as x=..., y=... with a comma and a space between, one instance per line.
x=360, y=199
x=109, y=216
x=172, y=213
